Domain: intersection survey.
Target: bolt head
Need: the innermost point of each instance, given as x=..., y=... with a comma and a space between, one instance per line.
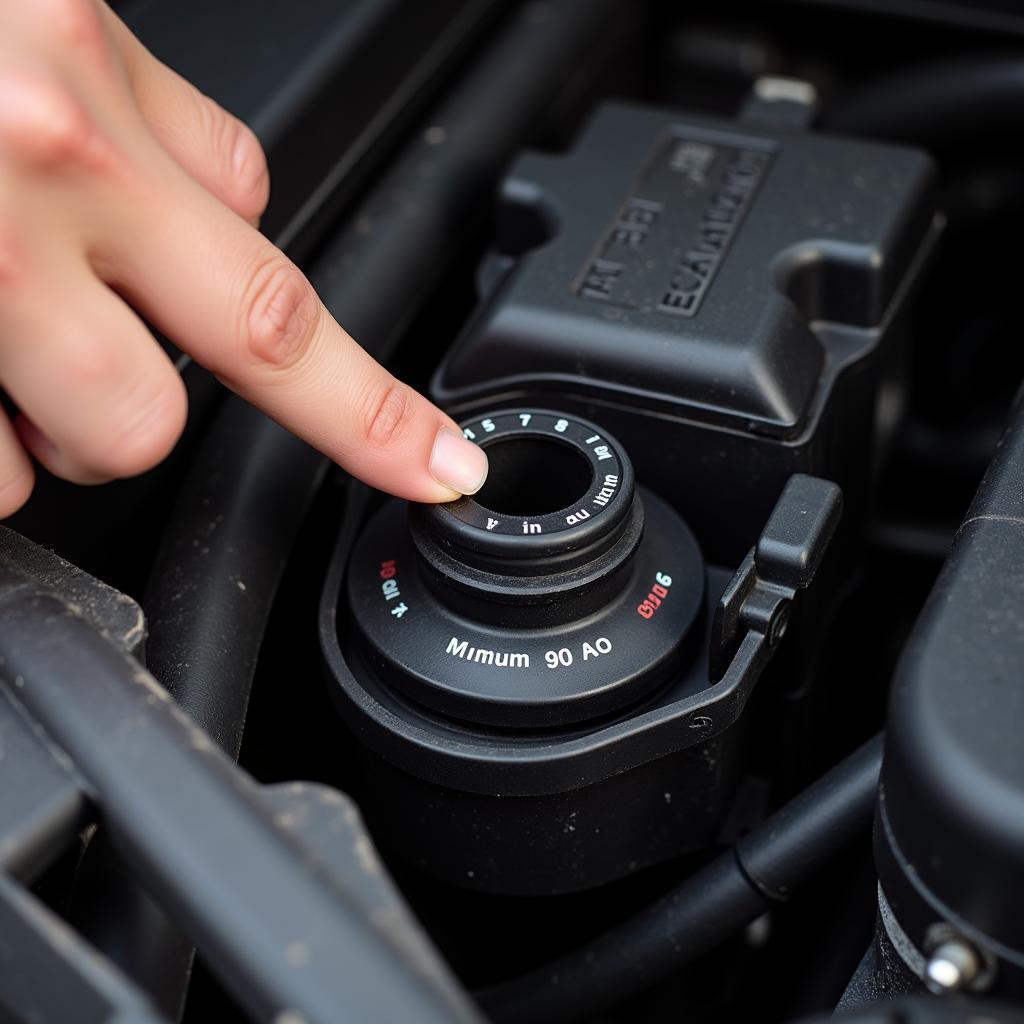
x=952, y=966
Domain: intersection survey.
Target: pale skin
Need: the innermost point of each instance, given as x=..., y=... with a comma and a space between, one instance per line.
x=125, y=191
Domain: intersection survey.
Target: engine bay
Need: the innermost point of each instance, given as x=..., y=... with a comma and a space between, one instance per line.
x=708, y=705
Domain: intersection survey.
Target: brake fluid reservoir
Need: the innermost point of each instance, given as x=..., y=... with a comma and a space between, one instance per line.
x=547, y=680
x=497, y=655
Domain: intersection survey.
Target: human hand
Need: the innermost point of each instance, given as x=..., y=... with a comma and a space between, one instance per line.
x=121, y=183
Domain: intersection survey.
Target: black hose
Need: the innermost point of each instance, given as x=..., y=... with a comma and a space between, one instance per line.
x=762, y=870
x=223, y=555
x=378, y=273
x=939, y=105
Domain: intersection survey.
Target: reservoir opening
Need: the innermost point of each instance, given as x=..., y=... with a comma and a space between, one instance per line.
x=532, y=476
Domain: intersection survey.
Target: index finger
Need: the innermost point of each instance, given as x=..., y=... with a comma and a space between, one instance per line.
x=235, y=303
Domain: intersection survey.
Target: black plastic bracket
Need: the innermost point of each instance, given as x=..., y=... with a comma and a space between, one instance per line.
x=784, y=560
x=179, y=813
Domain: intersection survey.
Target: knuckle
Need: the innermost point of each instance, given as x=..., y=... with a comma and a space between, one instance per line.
x=280, y=315
x=386, y=406
x=77, y=23
x=42, y=121
x=143, y=434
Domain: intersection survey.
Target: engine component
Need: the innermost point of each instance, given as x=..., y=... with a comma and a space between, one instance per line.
x=531, y=667
x=722, y=296
x=108, y=728
x=718, y=296
x=763, y=869
x=949, y=842
x=597, y=690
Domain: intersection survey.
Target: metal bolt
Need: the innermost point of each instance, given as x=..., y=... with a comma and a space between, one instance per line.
x=952, y=966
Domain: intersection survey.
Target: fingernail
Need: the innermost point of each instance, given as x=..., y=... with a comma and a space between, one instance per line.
x=457, y=463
